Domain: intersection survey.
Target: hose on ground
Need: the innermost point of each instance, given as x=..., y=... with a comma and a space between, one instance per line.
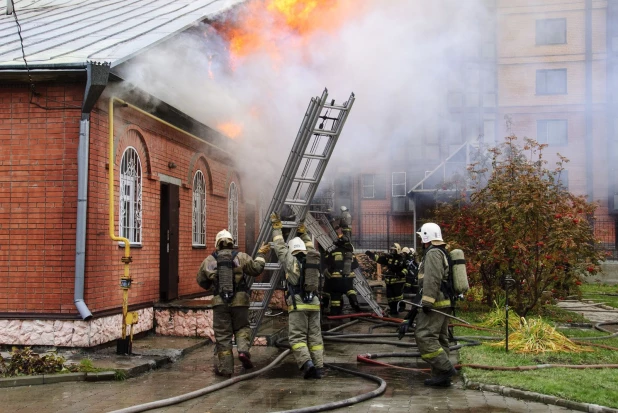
x=203, y=391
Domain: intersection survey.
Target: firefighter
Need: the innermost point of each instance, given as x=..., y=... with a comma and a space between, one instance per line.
x=224, y=270
x=301, y=263
x=394, y=277
x=339, y=275
x=409, y=257
x=431, y=331
x=345, y=222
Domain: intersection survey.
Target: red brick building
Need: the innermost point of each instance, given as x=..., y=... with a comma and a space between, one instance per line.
x=175, y=183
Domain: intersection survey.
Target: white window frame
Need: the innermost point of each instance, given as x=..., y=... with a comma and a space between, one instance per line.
x=365, y=188
x=232, y=212
x=130, y=191
x=199, y=210
x=398, y=185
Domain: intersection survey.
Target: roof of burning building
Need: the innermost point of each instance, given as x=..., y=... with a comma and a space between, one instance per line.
x=61, y=32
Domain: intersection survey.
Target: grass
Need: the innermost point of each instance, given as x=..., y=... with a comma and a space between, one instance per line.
x=602, y=293
x=597, y=386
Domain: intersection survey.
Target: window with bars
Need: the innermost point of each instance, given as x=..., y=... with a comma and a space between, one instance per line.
x=130, y=215
x=398, y=184
x=199, y=210
x=232, y=212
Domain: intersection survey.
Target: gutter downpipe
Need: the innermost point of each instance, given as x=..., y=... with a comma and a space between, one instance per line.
x=589, y=103
x=97, y=76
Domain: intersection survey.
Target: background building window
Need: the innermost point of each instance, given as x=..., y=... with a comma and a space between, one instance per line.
x=552, y=132
x=199, y=210
x=398, y=184
x=373, y=186
x=550, y=31
x=130, y=215
x=232, y=212
x=551, y=82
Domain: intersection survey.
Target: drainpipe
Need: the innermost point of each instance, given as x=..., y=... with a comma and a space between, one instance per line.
x=97, y=80
x=9, y=7
x=589, y=126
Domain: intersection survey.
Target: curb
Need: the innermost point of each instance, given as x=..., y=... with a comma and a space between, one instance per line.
x=537, y=397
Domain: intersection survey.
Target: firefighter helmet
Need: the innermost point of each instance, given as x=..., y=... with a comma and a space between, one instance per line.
x=430, y=232
x=405, y=250
x=343, y=208
x=223, y=236
x=296, y=245
x=396, y=247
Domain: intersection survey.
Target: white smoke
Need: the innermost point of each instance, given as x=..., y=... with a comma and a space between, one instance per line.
x=397, y=56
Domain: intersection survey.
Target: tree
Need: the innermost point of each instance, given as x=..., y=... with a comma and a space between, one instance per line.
x=520, y=220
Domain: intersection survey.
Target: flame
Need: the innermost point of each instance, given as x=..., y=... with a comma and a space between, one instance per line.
x=263, y=25
x=230, y=129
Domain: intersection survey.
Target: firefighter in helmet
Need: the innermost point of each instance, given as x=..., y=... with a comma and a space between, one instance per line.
x=301, y=263
x=409, y=257
x=345, y=223
x=224, y=270
x=431, y=331
x=394, y=276
x=339, y=276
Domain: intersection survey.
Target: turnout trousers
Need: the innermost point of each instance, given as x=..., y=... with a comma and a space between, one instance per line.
x=431, y=336
x=305, y=337
x=230, y=322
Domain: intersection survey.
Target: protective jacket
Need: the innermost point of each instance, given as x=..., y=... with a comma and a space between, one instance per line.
x=243, y=264
x=432, y=277
x=339, y=274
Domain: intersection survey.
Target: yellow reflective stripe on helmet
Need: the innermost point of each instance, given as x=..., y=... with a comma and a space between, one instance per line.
x=298, y=345
x=316, y=348
x=306, y=307
x=433, y=354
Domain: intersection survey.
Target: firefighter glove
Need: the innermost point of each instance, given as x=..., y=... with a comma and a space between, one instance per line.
x=264, y=249
x=301, y=228
x=403, y=329
x=427, y=306
x=276, y=221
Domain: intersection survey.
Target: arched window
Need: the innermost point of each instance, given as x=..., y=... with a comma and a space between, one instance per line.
x=130, y=215
x=232, y=212
x=199, y=210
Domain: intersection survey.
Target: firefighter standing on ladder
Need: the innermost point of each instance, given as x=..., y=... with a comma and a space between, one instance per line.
x=224, y=270
x=301, y=263
x=339, y=275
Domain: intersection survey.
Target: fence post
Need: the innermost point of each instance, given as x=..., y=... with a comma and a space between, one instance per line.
x=388, y=230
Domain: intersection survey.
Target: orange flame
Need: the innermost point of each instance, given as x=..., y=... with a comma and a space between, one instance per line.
x=262, y=25
x=230, y=129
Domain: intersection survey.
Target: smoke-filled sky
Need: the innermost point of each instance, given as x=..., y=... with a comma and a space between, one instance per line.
x=397, y=56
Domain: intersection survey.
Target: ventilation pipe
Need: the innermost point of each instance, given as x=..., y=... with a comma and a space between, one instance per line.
x=98, y=75
x=9, y=7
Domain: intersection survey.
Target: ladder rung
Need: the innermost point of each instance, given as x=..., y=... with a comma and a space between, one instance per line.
x=324, y=132
x=336, y=107
x=311, y=156
x=261, y=286
x=298, y=202
x=305, y=180
x=256, y=305
x=272, y=266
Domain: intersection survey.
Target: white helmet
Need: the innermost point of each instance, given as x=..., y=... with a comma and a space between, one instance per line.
x=405, y=250
x=396, y=247
x=430, y=232
x=296, y=245
x=343, y=208
x=223, y=236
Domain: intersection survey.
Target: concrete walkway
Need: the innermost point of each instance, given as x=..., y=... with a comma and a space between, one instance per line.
x=279, y=389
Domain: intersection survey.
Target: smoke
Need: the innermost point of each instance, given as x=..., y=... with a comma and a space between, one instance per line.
x=397, y=56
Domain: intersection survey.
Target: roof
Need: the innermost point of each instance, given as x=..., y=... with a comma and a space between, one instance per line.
x=64, y=32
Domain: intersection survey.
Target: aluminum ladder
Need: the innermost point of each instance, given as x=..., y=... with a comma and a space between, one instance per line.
x=311, y=151
x=326, y=241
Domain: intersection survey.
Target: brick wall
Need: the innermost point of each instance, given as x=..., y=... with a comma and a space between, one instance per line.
x=38, y=197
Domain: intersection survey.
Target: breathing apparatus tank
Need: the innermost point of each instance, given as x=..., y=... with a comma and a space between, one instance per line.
x=311, y=275
x=347, y=263
x=225, y=273
x=460, y=276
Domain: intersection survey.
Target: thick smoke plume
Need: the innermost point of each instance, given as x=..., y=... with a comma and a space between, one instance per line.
x=251, y=73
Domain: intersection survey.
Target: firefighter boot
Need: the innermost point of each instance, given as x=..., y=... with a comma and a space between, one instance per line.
x=319, y=373
x=309, y=369
x=245, y=359
x=441, y=380
x=354, y=303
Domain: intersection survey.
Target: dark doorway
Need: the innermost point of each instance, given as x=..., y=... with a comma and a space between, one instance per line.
x=249, y=228
x=168, y=273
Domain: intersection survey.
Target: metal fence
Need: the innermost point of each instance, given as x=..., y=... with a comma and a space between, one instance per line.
x=379, y=230
x=605, y=233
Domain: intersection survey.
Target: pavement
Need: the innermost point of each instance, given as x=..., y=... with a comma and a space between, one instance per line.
x=177, y=366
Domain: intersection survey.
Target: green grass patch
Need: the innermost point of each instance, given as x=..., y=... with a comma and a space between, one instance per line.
x=597, y=386
x=602, y=293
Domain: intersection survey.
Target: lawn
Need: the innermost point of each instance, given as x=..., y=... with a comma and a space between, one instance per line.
x=597, y=386
x=602, y=293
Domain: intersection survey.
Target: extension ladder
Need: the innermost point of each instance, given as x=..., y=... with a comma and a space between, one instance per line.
x=311, y=151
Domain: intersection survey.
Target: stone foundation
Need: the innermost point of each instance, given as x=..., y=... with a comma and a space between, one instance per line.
x=70, y=333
